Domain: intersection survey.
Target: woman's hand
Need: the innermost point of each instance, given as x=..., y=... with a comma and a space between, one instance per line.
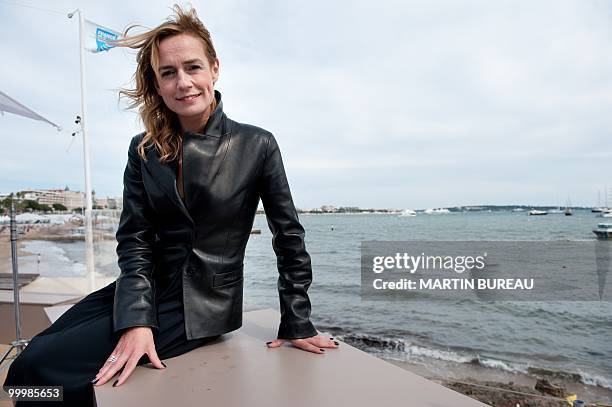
x=314, y=344
x=134, y=343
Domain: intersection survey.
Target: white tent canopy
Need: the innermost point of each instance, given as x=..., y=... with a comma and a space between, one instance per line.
x=10, y=105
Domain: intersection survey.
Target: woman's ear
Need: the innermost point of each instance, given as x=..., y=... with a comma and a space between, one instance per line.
x=215, y=70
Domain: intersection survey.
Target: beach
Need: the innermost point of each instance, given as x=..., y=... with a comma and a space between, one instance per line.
x=500, y=388
x=33, y=232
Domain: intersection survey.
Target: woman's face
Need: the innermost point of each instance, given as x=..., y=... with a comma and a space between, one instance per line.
x=185, y=79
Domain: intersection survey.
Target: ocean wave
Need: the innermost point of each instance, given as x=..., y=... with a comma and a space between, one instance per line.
x=595, y=380
x=579, y=376
x=400, y=349
x=47, y=249
x=54, y=260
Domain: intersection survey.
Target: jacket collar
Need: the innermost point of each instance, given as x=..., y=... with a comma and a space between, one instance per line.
x=215, y=126
x=209, y=143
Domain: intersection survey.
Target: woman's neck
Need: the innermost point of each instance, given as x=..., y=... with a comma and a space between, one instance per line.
x=197, y=125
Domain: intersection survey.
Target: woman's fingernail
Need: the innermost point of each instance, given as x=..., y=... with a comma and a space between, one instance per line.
x=336, y=343
x=331, y=339
x=115, y=384
x=268, y=343
x=163, y=364
x=94, y=381
x=322, y=350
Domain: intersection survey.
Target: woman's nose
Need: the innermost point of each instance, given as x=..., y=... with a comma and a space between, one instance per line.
x=183, y=81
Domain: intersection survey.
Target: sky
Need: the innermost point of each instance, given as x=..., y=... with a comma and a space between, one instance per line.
x=387, y=104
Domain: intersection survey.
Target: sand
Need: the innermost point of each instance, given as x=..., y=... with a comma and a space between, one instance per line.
x=455, y=376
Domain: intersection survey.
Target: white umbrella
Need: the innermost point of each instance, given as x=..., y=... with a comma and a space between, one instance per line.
x=10, y=105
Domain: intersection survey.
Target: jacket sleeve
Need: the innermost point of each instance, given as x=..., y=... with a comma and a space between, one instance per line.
x=134, y=303
x=294, y=266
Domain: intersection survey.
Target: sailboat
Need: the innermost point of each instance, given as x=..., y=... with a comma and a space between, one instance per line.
x=568, y=208
x=599, y=208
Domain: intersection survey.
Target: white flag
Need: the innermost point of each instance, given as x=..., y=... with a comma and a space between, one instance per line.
x=98, y=37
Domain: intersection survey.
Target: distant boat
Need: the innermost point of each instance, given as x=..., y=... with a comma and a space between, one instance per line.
x=603, y=231
x=437, y=211
x=599, y=208
x=606, y=215
x=518, y=210
x=568, y=208
x=407, y=212
x=535, y=212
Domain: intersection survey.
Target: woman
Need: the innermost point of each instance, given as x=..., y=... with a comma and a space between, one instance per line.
x=192, y=185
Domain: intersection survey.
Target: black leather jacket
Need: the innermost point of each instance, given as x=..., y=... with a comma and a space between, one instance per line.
x=227, y=169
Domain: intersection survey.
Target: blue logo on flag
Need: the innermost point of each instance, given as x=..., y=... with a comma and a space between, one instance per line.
x=102, y=36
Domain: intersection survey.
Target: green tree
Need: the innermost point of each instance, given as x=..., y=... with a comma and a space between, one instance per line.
x=29, y=204
x=59, y=207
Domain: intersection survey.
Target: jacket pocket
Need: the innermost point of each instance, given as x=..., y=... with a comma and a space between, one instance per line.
x=228, y=278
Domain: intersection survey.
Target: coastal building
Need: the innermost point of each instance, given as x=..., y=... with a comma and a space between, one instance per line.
x=100, y=203
x=115, y=203
x=70, y=199
x=73, y=199
x=107, y=203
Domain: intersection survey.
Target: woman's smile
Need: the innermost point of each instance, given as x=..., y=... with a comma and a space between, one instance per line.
x=189, y=98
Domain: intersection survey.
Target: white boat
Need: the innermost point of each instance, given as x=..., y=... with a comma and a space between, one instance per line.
x=407, y=213
x=436, y=211
x=606, y=215
x=535, y=212
x=603, y=230
x=599, y=208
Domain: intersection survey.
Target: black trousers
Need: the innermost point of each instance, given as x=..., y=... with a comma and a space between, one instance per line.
x=71, y=351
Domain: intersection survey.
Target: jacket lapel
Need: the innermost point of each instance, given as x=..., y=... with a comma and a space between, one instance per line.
x=203, y=155
x=166, y=179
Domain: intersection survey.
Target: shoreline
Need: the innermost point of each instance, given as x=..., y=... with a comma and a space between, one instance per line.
x=27, y=233
x=490, y=384
x=54, y=244
x=456, y=376
x=5, y=253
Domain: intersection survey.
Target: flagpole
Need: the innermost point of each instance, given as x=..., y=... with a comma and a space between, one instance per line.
x=89, y=254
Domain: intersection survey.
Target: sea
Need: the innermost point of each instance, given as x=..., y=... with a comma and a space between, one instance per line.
x=569, y=339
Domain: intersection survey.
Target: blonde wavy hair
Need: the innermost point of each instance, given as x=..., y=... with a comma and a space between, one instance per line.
x=162, y=127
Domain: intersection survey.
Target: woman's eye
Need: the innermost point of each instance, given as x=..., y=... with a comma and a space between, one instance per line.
x=166, y=73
